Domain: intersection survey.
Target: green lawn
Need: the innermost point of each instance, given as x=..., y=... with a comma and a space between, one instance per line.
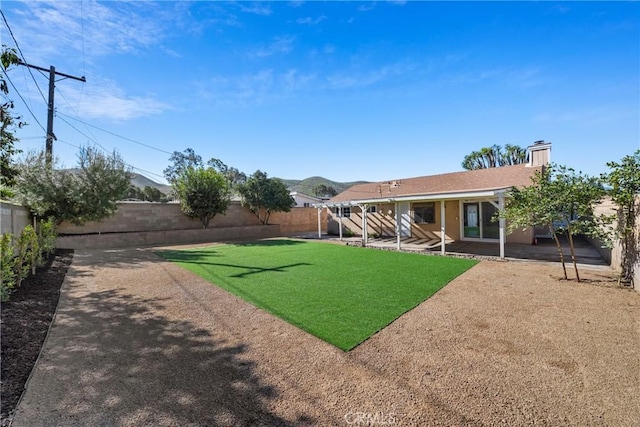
x=340, y=294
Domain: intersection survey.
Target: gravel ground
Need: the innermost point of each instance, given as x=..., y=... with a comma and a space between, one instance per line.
x=139, y=341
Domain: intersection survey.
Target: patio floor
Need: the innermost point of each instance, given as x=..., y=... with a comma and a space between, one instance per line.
x=544, y=250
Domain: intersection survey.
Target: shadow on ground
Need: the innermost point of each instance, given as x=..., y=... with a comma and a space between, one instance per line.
x=113, y=361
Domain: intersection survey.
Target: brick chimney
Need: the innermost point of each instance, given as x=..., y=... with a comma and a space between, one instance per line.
x=539, y=154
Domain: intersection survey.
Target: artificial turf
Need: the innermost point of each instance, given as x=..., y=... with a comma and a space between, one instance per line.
x=340, y=294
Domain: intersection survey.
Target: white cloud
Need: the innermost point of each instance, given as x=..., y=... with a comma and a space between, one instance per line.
x=280, y=45
x=255, y=88
x=364, y=79
x=107, y=101
x=311, y=21
x=89, y=28
x=263, y=9
x=366, y=7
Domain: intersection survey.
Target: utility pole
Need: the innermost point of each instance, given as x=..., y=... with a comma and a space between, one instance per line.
x=50, y=104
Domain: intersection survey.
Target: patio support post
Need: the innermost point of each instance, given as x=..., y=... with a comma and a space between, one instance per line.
x=320, y=223
x=398, y=226
x=442, y=227
x=340, y=220
x=365, y=232
x=502, y=223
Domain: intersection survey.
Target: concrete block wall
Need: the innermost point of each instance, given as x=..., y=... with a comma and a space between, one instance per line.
x=13, y=218
x=167, y=237
x=299, y=220
x=144, y=223
x=146, y=216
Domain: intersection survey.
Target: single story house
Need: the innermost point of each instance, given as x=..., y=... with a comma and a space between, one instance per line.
x=304, y=200
x=436, y=209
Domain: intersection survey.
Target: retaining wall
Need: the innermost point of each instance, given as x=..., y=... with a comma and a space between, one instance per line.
x=167, y=237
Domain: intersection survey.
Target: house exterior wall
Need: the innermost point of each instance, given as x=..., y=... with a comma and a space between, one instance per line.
x=452, y=222
x=613, y=255
x=521, y=236
x=301, y=199
x=14, y=218
x=382, y=223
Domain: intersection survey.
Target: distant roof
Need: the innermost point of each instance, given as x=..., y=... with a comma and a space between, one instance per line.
x=466, y=181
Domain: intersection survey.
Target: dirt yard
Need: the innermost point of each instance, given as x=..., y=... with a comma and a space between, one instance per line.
x=139, y=341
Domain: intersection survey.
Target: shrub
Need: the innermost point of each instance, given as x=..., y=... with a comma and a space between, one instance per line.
x=47, y=237
x=6, y=266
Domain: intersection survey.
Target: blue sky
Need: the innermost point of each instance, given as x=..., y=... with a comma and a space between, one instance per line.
x=346, y=90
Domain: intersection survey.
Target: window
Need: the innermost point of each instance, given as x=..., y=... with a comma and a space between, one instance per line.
x=346, y=212
x=424, y=213
x=306, y=204
x=371, y=209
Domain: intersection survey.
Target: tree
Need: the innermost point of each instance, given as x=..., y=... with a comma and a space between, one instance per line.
x=322, y=190
x=265, y=195
x=203, y=193
x=560, y=199
x=624, y=180
x=152, y=194
x=495, y=156
x=233, y=176
x=88, y=193
x=8, y=125
x=181, y=162
x=189, y=159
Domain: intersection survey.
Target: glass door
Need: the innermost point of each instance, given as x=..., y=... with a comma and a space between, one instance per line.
x=471, y=220
x=490, y=228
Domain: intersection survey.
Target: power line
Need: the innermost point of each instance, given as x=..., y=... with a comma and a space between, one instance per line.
x=22, y=55
x=74, y=112
x=25, y=102
x=116, y=135
x=126, y=164
x=93, y=140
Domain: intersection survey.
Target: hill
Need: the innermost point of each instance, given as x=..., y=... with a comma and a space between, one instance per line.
x=307, y=185
x=141, y=181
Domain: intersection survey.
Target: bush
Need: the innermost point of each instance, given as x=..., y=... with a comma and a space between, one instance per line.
x=25, y=253
x=47, y=237
x=6, y=266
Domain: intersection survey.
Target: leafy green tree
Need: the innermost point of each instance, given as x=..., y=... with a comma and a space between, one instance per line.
x=624, y=180
x=203, y=193
x=189, y=159
x=495, y=156
x=180, y=162
x=88, y=193
x=322, y=190
x=560, y=199
x=265, y=195
x=231, y=174
x=134, y=192
x=8, y=124
x=152, y=194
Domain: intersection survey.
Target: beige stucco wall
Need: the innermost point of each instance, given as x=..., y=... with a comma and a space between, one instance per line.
x=13, y=218
x=383, y=223
x=521, y=236
x=614, y=254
